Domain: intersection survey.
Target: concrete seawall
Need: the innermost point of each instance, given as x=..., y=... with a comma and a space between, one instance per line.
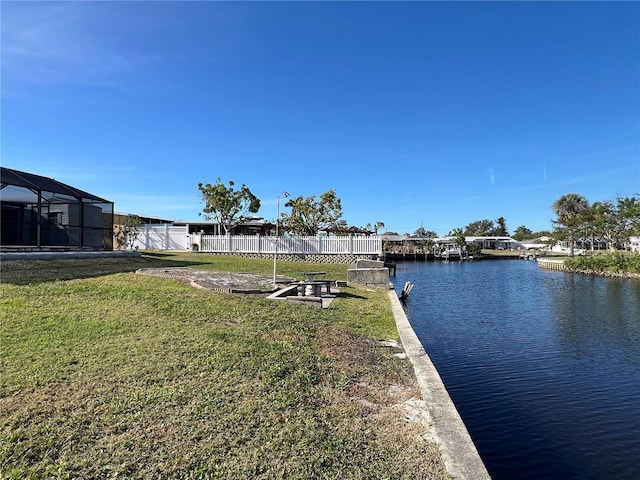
x=460, y=454
x=560, y=266
x=551, y=264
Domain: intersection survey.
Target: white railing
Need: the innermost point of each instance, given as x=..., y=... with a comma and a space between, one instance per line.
x=171, y=237
x=351, y=244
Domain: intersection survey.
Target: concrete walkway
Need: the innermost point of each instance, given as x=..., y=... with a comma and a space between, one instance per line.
x=460, y=455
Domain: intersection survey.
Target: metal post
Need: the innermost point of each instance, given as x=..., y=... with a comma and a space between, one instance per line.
x=39, y=221
x=82, y=225
x=275, y=256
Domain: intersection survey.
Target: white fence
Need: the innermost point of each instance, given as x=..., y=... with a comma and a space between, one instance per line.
x=351, y=244
x=161, y=237
x=170, y=237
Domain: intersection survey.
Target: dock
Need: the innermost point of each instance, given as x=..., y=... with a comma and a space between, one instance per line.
x=392, y=268
x=408, y=257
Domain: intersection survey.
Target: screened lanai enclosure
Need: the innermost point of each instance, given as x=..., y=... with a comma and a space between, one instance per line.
x=40, y=213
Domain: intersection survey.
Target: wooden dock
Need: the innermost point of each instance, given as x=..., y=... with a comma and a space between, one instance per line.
x=392, y=267
x=409, y=257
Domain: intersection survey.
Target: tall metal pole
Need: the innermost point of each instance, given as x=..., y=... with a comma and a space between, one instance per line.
x=275, y=257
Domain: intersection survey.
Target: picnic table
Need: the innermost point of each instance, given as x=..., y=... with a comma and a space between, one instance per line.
x=311, y=276
x=313, y=286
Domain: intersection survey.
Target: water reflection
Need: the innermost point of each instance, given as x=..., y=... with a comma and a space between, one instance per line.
x=597, y=318
x=544, y=367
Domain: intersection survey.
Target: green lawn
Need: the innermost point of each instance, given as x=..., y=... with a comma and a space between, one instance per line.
x=108, y=374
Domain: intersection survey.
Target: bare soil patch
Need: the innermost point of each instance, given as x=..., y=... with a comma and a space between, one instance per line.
x=227, y=282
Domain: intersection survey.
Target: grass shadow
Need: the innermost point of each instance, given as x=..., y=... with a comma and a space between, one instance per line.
x=344, y=294
x=26, y=271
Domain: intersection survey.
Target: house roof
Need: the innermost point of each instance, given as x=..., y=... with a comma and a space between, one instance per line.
x=37, y=183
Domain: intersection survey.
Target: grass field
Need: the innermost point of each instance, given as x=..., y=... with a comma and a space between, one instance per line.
x=109, y=374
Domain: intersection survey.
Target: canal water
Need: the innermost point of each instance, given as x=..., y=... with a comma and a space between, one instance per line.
x=543, y=366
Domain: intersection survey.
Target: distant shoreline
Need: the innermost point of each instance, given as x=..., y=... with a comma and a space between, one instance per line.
x=559, y=265
x=603, y=273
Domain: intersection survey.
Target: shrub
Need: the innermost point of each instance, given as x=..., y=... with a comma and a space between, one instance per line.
x=615, y=261
x=633, y=262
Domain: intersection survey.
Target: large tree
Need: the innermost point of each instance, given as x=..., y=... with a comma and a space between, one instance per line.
x=522, y=233
x=311, y=215
x=479, y=228
x=501, y=228
x=603, y=223
x=616, y=222
x=571, y=210
x=225, y=204
x=421, y=232
x=629, y=214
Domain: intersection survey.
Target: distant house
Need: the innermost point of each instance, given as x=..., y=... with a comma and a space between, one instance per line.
x=423, y=245
x=504, y=242
x=540, y=243
x=121, y=219
x=144, y=232
x=40, y=213
x=248, y=226
x=397, y=244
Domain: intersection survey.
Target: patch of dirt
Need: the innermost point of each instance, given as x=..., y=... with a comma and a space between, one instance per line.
x=226, y=282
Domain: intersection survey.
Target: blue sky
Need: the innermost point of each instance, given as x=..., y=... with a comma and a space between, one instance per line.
x=417, y=113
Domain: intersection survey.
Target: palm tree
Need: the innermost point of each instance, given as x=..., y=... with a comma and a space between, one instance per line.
x=570, y=209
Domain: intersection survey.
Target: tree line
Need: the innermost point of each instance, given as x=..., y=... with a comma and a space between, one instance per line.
x=229, y=205
x=607, y=223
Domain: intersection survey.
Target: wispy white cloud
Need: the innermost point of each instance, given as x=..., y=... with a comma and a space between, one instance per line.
x=492, y=176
